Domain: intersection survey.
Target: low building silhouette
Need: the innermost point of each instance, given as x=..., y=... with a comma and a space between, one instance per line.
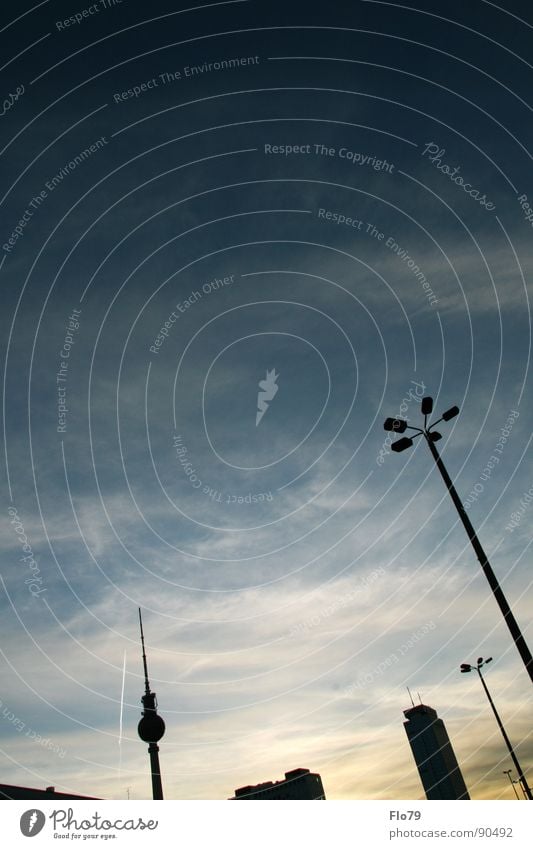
x=297, y=784
x=433, y=754
x=13, y=791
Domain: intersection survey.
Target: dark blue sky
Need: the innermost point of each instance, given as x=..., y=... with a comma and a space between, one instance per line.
x=191, y=199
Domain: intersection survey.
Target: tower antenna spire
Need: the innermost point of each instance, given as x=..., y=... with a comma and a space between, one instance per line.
x=146, y=681
x=410, y=696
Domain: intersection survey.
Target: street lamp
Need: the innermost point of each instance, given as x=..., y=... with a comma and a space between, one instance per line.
x=508, y=772
x=468, y=667
x=431, y=436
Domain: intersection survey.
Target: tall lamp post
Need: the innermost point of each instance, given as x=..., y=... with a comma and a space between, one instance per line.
x=508, y=772
x=431, y=436
x=151, y=726
x=468, y=667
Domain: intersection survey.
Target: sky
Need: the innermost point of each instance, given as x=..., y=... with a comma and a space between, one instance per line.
x=237, y=236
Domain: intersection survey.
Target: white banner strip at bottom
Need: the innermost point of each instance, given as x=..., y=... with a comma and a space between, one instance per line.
x=199, y=824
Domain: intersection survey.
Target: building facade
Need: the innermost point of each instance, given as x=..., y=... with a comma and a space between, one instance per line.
x=433, y=754
x=13, y=791
x=297, y=784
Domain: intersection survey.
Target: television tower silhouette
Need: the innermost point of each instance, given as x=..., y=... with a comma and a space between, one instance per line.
x=151, y=726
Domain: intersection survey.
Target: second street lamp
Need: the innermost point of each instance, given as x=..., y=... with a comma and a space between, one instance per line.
x=431, y=436
x=468, y=667
x=508, y=772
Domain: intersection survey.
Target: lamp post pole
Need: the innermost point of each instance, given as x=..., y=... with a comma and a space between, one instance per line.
x=432, y=436
x=467, y=667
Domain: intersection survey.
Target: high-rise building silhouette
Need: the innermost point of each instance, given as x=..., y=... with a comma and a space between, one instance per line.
x=433, y=753
x=297, y=784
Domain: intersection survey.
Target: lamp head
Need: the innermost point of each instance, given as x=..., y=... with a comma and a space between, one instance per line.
x=450, y=414
x=397, y=425
x=466, y=667
x=401, y=444
x=427, y=406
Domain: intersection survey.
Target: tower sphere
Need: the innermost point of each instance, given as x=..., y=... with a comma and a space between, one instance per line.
x=151, y=728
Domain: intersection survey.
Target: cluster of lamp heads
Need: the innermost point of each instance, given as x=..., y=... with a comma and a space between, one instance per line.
x=400, y=425
x=468, y=667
